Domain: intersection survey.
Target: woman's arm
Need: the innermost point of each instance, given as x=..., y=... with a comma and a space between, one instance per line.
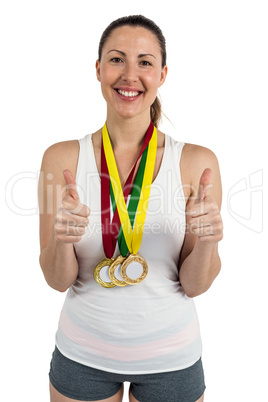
x=62, y=217
x=199, y=261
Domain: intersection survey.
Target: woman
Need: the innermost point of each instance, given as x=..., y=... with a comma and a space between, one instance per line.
x=140, y=325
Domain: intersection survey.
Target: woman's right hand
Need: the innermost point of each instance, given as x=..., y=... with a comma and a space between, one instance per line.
x=71, y=218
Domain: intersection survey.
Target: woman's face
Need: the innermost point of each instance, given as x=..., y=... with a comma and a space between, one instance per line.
x=130, y=71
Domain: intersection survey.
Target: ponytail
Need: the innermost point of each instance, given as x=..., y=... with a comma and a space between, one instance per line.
x=156, y=112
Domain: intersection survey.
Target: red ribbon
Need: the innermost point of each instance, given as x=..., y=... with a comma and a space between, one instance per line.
x=110, y=229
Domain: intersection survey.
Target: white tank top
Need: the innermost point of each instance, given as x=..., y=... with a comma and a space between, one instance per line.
x=150, y=327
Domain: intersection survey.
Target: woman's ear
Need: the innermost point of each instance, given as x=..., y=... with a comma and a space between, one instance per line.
x=98, y=70
x=163, y=76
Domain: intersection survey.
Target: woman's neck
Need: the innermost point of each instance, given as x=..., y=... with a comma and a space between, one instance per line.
x=127, y=132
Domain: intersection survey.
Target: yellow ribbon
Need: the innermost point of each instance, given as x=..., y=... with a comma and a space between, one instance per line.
x=133, y=237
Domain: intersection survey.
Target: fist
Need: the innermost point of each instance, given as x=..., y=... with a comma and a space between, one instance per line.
x=204, y=216
x=72, y=217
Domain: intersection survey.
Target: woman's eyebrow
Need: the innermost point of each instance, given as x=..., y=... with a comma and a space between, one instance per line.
x=118, y=51
x=146, y=54
x=124, y=54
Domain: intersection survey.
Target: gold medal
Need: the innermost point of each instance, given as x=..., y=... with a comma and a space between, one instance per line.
x=103, y=263
x=134, y=258
x=112, y=268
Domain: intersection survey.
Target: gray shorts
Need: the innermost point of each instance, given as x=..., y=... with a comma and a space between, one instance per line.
x=84, y=383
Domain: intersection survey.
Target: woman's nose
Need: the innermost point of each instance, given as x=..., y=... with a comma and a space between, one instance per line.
x=130, y=73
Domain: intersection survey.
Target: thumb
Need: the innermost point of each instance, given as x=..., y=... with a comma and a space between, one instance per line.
x=204, y=184
x=70, y=184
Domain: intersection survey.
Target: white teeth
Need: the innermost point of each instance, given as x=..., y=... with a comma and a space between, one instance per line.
x=128, y=94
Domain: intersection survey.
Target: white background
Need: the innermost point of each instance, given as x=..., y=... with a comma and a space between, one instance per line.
x=215, y=95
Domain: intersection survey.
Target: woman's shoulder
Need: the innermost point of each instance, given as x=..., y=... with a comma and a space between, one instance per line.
x=60, y=156
x=62, y=150
x=198, y=154
x=194, y=160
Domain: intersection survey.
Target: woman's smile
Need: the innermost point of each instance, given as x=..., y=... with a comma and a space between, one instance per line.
x=128, y=94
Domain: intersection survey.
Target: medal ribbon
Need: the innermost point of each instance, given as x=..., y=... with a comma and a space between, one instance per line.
x=133, y=237
x=133, y=202
x=110, y=230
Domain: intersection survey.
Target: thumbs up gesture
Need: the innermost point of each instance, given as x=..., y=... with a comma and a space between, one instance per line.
x=204, y=215
x=72, y=217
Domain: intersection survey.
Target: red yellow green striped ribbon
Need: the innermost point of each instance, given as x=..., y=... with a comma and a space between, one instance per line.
x=133, y=237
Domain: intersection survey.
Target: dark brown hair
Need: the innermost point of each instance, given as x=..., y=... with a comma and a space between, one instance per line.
x=141, y=21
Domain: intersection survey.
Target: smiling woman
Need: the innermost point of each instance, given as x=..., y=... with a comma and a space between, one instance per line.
x=129, y=313
x=130, y=70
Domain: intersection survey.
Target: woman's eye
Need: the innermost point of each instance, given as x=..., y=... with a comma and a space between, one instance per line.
x=116, y=60
x=146, y=63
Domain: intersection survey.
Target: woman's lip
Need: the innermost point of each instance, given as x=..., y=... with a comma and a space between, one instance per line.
x=128, y=89
x=128, y=98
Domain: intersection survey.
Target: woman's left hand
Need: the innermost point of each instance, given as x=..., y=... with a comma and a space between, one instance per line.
x=204, y=215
